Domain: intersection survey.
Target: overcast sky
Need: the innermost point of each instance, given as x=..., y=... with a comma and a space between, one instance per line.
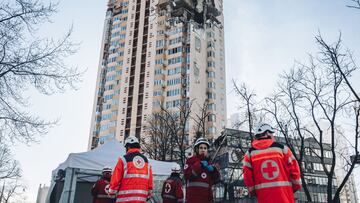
x=263, y=39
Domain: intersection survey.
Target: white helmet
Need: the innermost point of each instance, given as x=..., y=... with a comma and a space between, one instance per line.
x=176, y=168
x=201, y=140
x=131, y=140
x=263, y=127
x=107, y=169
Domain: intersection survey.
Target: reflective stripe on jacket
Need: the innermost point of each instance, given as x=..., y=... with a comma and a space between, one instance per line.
x=271, y=172
x=98, y=192
x=172, y=191
x=199, y=181
x=132, y=178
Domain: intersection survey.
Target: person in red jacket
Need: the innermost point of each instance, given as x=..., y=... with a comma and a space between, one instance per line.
x=98, y=190
x=200, y=174
x=172, y=191
x=271, y=171
x=132, y=179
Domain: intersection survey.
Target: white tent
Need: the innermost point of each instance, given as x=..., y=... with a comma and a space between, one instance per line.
x=91, y=163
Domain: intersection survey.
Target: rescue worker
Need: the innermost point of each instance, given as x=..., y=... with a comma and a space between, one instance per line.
x=200, y=174
x=271, y=171
x=98, y=190
x=132, y=177
x=172, y=191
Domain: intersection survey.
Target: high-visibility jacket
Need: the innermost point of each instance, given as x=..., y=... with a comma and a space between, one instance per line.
x=132, y=178
x=271, y=172
x=199, y=181
x=172, y=191
x=99, y=194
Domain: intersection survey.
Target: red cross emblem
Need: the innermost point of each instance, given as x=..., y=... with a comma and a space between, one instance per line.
x=167, y=187
x=270, y=169
x=138, y=162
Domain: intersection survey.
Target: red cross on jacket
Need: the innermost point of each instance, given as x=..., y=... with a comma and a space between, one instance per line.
x=172, y=191
x=271, y=172
x=132, y=178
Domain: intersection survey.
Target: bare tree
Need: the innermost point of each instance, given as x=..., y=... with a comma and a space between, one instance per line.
x=247, y=105
x=355, y=4
x=201, y=118
x=9, y=168
x=11, y=190
x=29, y=62
x=10, y=173
x=159, y=142
x=333, y=56
x=180, y=128
x=313, y=101
x=168, y=133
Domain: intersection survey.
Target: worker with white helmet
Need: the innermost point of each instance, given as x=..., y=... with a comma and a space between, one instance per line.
x=271, y=171
x=132, y=177
x=98, y=191
x=200, y=174
x=172, y=191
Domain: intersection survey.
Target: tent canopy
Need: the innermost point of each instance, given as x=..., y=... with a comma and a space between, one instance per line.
x=107, y=155
x=86, y=166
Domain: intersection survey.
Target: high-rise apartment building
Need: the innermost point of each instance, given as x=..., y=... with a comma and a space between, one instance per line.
x=158, y=53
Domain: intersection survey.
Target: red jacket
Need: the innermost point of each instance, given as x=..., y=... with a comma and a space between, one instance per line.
x=98, y=192
x=199, y=181
x=132, y=178
x=271, y=172
x=172, y=190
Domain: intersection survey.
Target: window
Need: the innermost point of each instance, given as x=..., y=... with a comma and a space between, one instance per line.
x=158, y=82
x=107, y=125
x=111, y=68
x=175, y=60
x=173, y=92
x=211, y=74
x=175, y=41
x=109, y=87
x=212, y=130
x=158, y=71
x=108, y=97
x=159, y=61
x=174, y=81
x=174, y=71
x=211, y=95
x=159, y=51
x=157, y=93
x=211, y=64
x=172, y=104
x=110, y=78
x=175, y=50
x=210, y=54
x=211, y=106
x=212, y=117
x=211, y=85
x=327, y=154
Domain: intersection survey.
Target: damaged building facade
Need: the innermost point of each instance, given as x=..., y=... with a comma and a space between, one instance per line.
x=158, y=53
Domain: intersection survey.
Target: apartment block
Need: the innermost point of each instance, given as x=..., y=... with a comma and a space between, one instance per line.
x=158, y=54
